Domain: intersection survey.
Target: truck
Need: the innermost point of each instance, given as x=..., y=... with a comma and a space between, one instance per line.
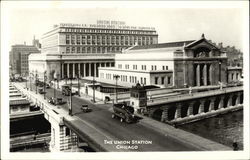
x=66, y=89
x=124, y=112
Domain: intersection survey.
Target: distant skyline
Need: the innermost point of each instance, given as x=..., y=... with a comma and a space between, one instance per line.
x=172, y=24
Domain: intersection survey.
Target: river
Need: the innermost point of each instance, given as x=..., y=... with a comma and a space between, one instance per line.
x=225, y=129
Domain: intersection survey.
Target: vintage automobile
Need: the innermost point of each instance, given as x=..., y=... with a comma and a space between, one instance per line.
x=85, y=108
x=124, y=112
x=55, y=101
x=41, y=91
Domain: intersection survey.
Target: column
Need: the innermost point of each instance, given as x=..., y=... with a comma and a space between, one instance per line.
x=211, y=105
x=94, y=70
x=84, y=69
x=221, y=103
x=210, y=74
x=97, y=70
x=198, y=75
x=205, y=74
x=237, y=102
x=79, y=73
x=229, y=103
x=164, y=116
x=73, y=75
x=62, y=73
x=190, y=109
x=201, y=107
x=178, y=111
x=61, y=137
x=89, y=69
x=67, y=69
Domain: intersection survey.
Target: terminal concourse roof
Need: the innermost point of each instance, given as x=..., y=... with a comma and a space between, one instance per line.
x=163, y=45
x=18, y=102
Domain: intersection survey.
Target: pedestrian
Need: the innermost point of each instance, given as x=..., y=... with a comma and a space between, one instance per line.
x=235, y=146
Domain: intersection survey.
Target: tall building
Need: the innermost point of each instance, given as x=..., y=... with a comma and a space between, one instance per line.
x=175, y=64
x=70, y=50
x=103, y=37
x=19, y=58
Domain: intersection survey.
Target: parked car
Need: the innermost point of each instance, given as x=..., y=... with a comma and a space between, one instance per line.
x=47, y=86
x=55, y=101
x=41, y=91
x=85, y=108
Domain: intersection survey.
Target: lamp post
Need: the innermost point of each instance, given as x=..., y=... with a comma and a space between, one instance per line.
x=36, y=81
x=57, y=80
x=70, y=99
x=66, y=79
x=54, y=87
x=31, y=74
x=116, y=93
x=94, y=81
x=44, y=83
x=78, y=84
x=220, y=71
x=26, y=80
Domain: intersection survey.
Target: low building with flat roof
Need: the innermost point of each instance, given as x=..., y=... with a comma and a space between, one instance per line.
x=175, y=64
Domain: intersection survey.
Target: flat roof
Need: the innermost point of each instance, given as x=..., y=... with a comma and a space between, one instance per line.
x=18, y=101
x=163, y=45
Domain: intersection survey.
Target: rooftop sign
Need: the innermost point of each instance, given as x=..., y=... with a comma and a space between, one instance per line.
x=106, y=25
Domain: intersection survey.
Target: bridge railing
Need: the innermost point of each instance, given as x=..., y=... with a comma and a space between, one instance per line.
x=173, y=98
x=45, y=107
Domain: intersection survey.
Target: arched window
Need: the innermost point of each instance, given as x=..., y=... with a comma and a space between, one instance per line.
x=201, y=52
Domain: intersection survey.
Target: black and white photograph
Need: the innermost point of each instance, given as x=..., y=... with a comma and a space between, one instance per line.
x=125, y=80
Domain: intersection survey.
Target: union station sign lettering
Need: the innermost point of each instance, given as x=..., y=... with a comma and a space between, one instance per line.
x=106, y=25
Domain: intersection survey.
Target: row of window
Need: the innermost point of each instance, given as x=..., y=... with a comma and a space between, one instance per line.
x=143, y=67
x=162, y=80
x=125, y=78
x=237, y=77
x=81, y=30
x=107, y=40
x=93, y=49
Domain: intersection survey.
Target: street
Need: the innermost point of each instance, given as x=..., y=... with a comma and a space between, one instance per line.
x=100, y=118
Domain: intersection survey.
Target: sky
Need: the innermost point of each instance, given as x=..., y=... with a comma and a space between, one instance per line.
x=220, y=24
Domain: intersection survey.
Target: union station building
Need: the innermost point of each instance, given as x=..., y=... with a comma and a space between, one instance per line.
x=77, y=50
x=174, y=65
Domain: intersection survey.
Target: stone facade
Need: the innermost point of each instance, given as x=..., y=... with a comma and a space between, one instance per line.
x=76, y=38
x=176, y=64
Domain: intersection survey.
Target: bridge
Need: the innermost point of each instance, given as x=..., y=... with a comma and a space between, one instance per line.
x=194, y=106
x=102, y=133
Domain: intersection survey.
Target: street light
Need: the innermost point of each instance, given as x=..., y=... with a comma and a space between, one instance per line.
x=44, y=83
x=57, y=79
x=94, y=81
x=70, y=99
x=26, y=80
x=116, y=93
x=54, y=85
x=36, y=81
x=66, y=79
x=220, y=71
x=78, y=85
x=31, y=74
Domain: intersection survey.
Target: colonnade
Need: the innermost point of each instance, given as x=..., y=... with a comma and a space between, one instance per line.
x=70, y=69
x=203, y=74
x=200, y=106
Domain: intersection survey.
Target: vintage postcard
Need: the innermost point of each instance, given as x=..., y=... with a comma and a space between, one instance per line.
x=124, y=80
